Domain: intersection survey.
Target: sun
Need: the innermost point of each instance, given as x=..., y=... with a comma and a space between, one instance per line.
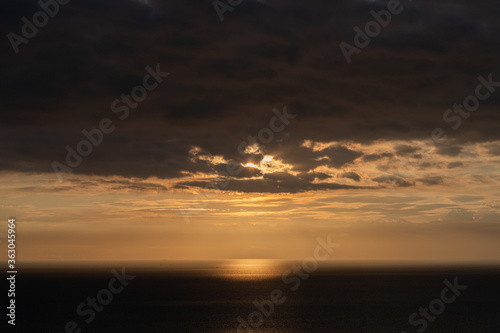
x=251, y=165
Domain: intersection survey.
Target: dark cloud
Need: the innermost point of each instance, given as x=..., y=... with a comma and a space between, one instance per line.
x=425, y=165
x=279, y=182
x=449, y=150
x=376, y=157
x=227, y=77
x=453, y=165
x=237, y=170
x=135, y=186
x=313, y=175
x=351, y=175
x=393, y=180
x=305, y=159
x=402, y=150
x=431, y=180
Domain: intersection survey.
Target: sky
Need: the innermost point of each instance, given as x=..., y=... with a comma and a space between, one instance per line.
x=255, y=134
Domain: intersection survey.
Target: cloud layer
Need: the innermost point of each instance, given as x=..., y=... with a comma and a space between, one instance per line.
x=227, y=77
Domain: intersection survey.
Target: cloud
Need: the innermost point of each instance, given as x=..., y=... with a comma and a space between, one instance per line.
x=376, y=157
x=246, y=172
x=305, y=159
x=392, y=179
x=402, y=150
x=64, y=80
x=351, y=175
x=313, y=175
x=494, y=149
x=467, y=198
x=449, y=150
x=431, y=180
x=279, y=182
x=453, y=165
x=460, y=215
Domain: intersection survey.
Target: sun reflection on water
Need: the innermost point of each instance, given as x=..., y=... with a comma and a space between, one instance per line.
x=250, y=269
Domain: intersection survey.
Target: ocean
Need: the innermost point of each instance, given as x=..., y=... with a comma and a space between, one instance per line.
x=210, y=297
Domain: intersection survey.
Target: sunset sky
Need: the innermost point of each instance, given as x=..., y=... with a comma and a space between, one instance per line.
x=355, y=158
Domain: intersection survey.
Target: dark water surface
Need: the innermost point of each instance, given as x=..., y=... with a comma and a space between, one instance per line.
x=210, y=299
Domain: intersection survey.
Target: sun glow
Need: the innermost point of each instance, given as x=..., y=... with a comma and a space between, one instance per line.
x=270, y=165
x=250, y=269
